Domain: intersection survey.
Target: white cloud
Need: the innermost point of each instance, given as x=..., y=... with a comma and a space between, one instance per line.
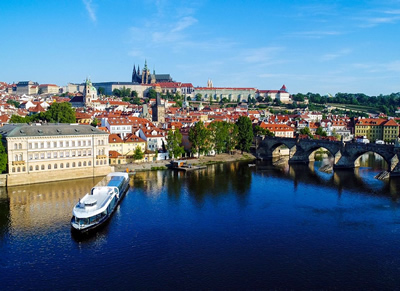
x=184, y=23
x=90, y=9
x=338, y=54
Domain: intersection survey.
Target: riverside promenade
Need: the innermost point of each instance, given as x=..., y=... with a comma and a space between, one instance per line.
x=203, y=160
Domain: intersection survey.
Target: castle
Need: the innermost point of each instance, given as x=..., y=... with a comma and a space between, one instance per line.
x=147, y=78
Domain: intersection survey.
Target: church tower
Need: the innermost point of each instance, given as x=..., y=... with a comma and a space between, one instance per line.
x=209, y=84
x=90, y=93
x=158, y=111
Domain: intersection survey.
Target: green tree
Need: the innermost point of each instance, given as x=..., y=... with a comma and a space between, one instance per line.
x=198, y=136
x=232, y=138
x=306, y=130
x=3, y=159
x=245, y=133
x=198, y=97
x=117, y=92
x=101, y=91
x=138, y=154
x=19, y=119
x=320, y=131
x=219, y=135
x=134, y=94
x=258, y=130
x=152, y=93
x=59, y=112
x=95, y=122
x=174, y=141
x=13, y=102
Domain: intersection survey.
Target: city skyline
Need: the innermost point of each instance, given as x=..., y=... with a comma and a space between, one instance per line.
x=312, y=46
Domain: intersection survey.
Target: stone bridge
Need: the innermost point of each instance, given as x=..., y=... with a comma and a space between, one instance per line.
x=346, y=155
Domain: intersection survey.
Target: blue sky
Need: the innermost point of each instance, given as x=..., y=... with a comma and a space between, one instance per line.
x=310, y=46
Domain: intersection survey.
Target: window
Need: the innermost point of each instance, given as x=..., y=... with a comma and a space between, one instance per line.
x=61, y=165
x=89, y=163
x=36, y=156
x=13, y=169
x=79, y=143
x=84, y=164
x=49, y=155
x=84, y=153
x=20, y=146
x=16, y=158
x=73, y=143
x=48, y=145
x=61, y=144
x=37, y=168
x=55, y=144
x=67, y=154
x=42, y=167
x=30, y=145
x=42, y=145
x=79, y=153
x=89, y=142
x=79, y=164
x=89, y=153
x=55, y=166
x=15, y=146
x=36, y=145
x=61, y=154
x=67, y=143
x=84, y=143
x=23, y=169
x=30, y=168
x=55, y=155
x=73, y=153
x=73, y=165
x=67, y=165
x=42, y=156
x=18, y=169
x=30, y=157
x=49, y=167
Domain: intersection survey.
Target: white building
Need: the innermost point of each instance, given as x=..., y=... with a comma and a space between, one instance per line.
x=42, y=153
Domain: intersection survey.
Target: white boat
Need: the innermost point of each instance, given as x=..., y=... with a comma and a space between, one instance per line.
x=96, y=207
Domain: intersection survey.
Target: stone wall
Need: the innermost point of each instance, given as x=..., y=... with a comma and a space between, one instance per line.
x=51, y=176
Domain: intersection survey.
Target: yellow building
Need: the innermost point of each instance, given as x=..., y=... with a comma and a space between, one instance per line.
x=44, y=153
x=377, y=129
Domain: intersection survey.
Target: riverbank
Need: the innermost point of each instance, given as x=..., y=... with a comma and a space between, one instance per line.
x=204, y=160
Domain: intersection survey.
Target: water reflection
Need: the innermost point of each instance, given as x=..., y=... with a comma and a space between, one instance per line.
x=42, y=206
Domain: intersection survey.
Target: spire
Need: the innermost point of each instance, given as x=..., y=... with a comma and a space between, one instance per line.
x=145, y=65
x=138, y=70
x=133, y=73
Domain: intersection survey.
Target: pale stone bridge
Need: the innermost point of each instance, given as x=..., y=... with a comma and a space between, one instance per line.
x=345, y=154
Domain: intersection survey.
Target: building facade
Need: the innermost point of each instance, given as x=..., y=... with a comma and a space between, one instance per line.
x=51, y=152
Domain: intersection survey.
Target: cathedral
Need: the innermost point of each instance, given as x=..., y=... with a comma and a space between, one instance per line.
x=147, y=78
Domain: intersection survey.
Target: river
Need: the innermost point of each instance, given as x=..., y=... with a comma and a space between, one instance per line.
x=229, y=226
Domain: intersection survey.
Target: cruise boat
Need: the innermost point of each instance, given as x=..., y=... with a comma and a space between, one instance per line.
x=96, y=207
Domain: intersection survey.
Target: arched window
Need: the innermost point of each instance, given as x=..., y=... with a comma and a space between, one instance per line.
x=20, y=157
x=42, y=167
x=16, y=158
x=49, y=167
x=89, y=163
x=61, y=165
x=97, y=163
x=79, y=164
x=20, y=146
x=55, y=166
x=37, y=167
x=23, y=169
x=18, y=169
x=84, y=164
x=67, y=165
x=15, y=146
x=13, y=169
x=30, y=168
x=73, y=165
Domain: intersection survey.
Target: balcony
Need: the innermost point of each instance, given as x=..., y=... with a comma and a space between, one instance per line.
x=101, y=157
x=18, y=163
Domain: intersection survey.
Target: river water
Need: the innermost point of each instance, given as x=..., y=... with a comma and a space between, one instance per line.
x=229, y=226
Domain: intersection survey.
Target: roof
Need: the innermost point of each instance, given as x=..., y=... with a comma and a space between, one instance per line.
x=50, y=129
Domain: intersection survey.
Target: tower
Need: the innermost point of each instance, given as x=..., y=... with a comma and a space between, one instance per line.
x=158, y=111
x=209, y=84
x=90, y=92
